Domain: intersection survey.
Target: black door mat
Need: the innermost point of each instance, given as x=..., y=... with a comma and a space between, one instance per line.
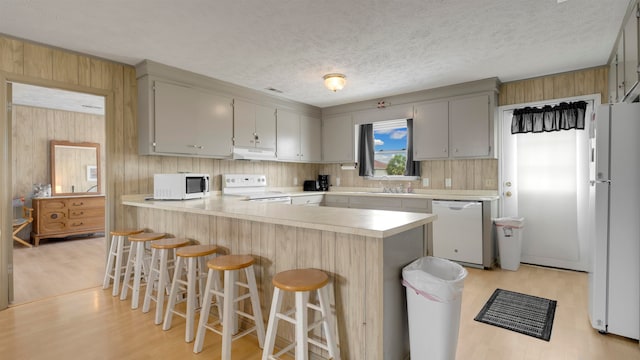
x=526, y=314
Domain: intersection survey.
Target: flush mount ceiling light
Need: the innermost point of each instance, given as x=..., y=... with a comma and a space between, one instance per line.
x=334, y=82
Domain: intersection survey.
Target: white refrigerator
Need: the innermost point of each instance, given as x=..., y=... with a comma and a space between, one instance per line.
x=614, y=275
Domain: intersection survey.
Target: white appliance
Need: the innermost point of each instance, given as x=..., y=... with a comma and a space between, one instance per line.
x=180, y=186
x=253, y=188
x=614, y=275
x=457, y=233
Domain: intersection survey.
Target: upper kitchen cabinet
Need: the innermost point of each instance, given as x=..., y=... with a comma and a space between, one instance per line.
x=298, y=137
x=631, y=55
x=254, y=126
x=338, y=140
x=431, y=130
x=623, y=64
x=470, y=127
x=177, y=119
x=613, y=79
x=456, y=128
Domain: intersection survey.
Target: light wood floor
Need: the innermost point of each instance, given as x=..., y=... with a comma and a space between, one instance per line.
x=91, y=324
x=57, y=267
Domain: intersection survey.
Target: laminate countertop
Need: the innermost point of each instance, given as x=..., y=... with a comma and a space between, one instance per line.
x=373, y=223
x=432, y=195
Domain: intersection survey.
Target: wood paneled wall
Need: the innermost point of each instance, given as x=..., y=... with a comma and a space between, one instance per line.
x=569, y=84
x=473, y=174
x=128, y=173
x=33, y=128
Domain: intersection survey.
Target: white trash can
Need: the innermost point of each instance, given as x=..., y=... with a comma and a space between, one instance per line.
x=434, y=296
x=509, y=231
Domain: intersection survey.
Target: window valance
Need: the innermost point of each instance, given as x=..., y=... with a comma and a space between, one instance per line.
x=563, y=116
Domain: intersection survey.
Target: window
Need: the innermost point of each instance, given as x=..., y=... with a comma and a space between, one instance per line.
x=390, y=147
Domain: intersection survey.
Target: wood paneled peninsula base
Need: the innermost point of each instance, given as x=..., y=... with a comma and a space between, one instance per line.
x=363, y=251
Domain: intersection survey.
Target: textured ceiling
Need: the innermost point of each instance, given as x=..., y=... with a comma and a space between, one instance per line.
x=384, y=47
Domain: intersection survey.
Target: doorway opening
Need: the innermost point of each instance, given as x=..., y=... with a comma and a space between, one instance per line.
x=544, y=177
x=67, y=259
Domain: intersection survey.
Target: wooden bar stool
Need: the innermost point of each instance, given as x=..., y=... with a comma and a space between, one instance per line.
x=162, y=262
x=230, y=265
x=301, y=281
x=138, y=264
x=195, y=257
x=117, y=250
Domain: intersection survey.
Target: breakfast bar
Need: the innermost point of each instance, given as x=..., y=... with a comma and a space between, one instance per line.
x=362, y=250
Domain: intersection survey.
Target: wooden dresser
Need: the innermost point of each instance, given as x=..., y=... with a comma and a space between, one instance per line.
x=57, y=217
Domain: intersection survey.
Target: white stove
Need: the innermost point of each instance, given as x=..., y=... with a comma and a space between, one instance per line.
x=252, y=187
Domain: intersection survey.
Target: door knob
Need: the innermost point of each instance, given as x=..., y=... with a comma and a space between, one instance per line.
x=507, y=184
x=508, y=193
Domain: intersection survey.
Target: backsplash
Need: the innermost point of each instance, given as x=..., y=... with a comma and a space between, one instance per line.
x=473, y=174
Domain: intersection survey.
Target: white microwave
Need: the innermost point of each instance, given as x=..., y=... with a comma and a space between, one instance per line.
x=180, y=186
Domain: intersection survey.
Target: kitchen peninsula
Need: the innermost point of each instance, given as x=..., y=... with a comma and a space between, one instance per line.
x=362, y=250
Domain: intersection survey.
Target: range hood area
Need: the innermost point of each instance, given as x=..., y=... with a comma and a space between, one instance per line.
x=240, y=153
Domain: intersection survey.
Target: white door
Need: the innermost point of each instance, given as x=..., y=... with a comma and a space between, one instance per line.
x=545, y=179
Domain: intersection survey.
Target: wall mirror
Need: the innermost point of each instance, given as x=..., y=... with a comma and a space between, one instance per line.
x=75, y=168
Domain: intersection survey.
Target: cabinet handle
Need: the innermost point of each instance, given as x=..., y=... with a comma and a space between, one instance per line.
x=54, y=216
x=455, y=250
x=78, y=224
x=76, y=204
x=444, y=150
x=257, y=141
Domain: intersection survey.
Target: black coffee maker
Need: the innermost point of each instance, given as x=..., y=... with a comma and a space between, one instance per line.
x=323, y=182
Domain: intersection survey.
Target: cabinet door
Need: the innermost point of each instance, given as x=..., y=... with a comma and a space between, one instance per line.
x=244, y=123
x=631, y=52
x=288, y=135
x=620, y=69
x=309, y=200
x=175, y=119
x=469, y=127
x=613, y=80
x=214, y=131
x=431, y=130
x=341, y=201
x=338, y=140
x=266, y=127
x=310, y=139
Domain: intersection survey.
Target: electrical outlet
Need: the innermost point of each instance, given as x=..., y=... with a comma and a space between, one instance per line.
x=447, y=182
x=488, y=183
x=337, y=181
x=295, y=181
x=425, y=182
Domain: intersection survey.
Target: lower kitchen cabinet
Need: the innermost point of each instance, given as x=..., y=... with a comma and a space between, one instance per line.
x=307, y=200
x=58, y=217
x=336, y=201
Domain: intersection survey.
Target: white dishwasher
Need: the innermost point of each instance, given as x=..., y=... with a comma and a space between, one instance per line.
x=457, y=233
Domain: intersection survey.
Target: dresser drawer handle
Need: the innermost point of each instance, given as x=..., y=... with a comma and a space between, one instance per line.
x=80, y=204
x=78, y=213
x=54, y=216
x=78, y=224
